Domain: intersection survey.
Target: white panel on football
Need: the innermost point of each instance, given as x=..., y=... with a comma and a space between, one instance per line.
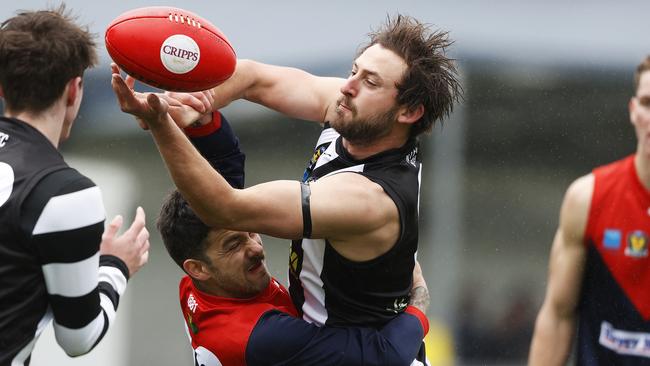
x=180, y=54
x=120, y=197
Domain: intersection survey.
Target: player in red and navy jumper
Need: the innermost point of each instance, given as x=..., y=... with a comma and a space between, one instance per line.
x=600, y=268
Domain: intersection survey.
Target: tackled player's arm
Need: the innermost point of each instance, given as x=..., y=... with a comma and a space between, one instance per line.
x=555, y=325
x=281, y=339
x=288, y=90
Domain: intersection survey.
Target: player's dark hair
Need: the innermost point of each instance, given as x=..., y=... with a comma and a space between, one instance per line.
x=643, y=67
x=183, y=233
x=431, y=78
x=40, y=52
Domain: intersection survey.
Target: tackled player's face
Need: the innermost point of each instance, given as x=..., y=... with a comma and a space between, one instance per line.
x=367, y=108
x=237, y=263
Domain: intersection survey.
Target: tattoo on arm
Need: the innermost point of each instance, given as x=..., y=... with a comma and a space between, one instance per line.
x=420, y=298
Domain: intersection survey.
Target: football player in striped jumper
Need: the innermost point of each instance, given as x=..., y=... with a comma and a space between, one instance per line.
x=56, y=260
x=353, y=218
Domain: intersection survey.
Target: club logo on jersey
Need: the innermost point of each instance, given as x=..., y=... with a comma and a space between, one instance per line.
x=399, y=305
x=612, y=239
x=306, y=176
x=637, y=244
x=412, y=157
x=180, y=54
x=192, y=303
x=3, y=139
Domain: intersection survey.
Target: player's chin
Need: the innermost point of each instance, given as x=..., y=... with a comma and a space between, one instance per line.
x=260, y=281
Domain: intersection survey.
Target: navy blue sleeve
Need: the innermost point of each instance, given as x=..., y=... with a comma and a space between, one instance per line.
x=280, y=339
x=221, y=150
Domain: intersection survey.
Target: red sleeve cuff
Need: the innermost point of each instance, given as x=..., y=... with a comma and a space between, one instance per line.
x=421, y=317
x=206, y=129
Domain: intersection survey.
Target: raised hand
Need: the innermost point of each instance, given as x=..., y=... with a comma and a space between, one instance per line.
x=148, y=108
x=190, y=108
x=132, y=246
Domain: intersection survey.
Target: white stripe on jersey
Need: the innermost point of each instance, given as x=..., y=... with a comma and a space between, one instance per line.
x=6, y=182
x=354, y=168
x=76, y=342
x=72, y=279
x=114, y=277
x=23, y=354
x=106, y=304
x=419, y=185
x=328, y=155
x=326, y=136
x=71, y=211
x=312, y=265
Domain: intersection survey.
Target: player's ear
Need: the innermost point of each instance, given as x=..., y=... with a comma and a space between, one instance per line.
x=196, y=269
x=73, y=89
x=410, y=115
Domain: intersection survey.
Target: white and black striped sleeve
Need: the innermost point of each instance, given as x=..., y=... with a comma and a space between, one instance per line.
x=65, y=215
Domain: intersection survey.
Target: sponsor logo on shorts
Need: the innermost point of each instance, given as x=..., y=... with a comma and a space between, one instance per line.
x=637, y=244
x=180, y=54
x=624, y=342
x=612, y=239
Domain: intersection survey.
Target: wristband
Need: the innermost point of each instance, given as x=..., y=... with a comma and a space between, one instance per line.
x=421, y=317
x=206, y=129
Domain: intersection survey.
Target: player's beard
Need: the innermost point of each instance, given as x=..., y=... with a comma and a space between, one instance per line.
x=365, y=131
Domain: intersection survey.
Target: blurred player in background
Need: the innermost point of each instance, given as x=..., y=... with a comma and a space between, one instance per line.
x=228, y=290
x=56, y=260
x=599, y=267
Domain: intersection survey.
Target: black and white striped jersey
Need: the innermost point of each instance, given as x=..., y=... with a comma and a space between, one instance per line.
x=329, y=289
x=51, y=223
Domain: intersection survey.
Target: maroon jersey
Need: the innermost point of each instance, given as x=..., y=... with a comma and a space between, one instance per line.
x=233, y=318
x=615, y=301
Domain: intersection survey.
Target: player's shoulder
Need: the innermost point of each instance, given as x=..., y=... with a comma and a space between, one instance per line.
x=576, y=204
x=580, y=190
x=62, y=181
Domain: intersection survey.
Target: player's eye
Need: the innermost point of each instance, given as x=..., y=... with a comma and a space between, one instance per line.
x=645, y=101
x=371, y=82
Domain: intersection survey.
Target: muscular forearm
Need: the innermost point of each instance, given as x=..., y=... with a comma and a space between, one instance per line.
x=197, y=181
x=551, y=342
x=237, y=86
x=420, y=298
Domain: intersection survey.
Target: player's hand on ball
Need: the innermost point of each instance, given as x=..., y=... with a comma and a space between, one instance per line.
x=189, y=108
x=132, y=246
x=149, y=108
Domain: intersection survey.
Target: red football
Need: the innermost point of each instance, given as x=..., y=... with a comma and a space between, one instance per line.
x=170, y=48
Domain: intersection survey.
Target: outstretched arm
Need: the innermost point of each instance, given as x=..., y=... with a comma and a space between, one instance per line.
x=272, y=208
x=288, y=90
x=555, y=323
